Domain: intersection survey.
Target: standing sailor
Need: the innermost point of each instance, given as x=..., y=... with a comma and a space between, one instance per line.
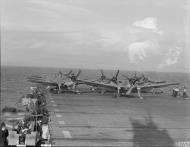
x=184, y=95
x=175, y=92
x=4, y=134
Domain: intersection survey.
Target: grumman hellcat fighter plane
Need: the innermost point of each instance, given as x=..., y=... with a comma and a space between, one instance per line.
x=61, y=82
x=142, y=80
x=103, y=79
x=124, y=88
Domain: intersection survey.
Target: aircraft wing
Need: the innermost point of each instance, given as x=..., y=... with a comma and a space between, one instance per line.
x=156, y=85
x=79, y=82
x=43, y=82
x=100, y=85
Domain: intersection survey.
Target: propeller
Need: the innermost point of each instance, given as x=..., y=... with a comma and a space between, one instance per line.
x=103, y=77
x=60, y=74
x=79, y=72
x=135, y=75
x=68, y=74
x=117, y=74
x=142, y=75
x=132, y=80
x=74, y=77
x=145, y=79
x=114, y=78
x=59, y=78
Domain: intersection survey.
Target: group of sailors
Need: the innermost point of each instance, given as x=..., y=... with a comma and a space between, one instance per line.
x=38, y=113
x=36, y=116
x=179, y=92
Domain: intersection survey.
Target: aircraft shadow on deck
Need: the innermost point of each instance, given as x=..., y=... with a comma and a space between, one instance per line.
x=148, y=134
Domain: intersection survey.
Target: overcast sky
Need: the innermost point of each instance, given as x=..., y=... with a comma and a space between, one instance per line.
x=111, y=34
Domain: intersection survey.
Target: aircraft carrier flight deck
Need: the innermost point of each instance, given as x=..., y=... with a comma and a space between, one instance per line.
x=96, y=120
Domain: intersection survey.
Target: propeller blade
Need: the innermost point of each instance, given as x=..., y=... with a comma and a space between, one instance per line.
x=79, y=72
x=102, y=72
x=69, y=72
x=56, y=75
x=117, y=74
x=60, y=74
x=114, y=78
x=103, y=77
x=135, y=74
x=142, y=75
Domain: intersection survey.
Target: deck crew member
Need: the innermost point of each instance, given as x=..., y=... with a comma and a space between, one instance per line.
x=4, y=134
x=184, y=92
x=175, y=92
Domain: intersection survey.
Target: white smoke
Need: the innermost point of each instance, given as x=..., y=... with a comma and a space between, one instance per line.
x=171, y=58
x=148, y=23
x=138, y=51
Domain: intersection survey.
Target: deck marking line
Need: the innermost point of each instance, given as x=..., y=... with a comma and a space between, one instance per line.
x=20, y=114
x=66, y=134
x=54, y=105
x=62, y=122
x=56, y=109
x=58, y=115
x=7, y=114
